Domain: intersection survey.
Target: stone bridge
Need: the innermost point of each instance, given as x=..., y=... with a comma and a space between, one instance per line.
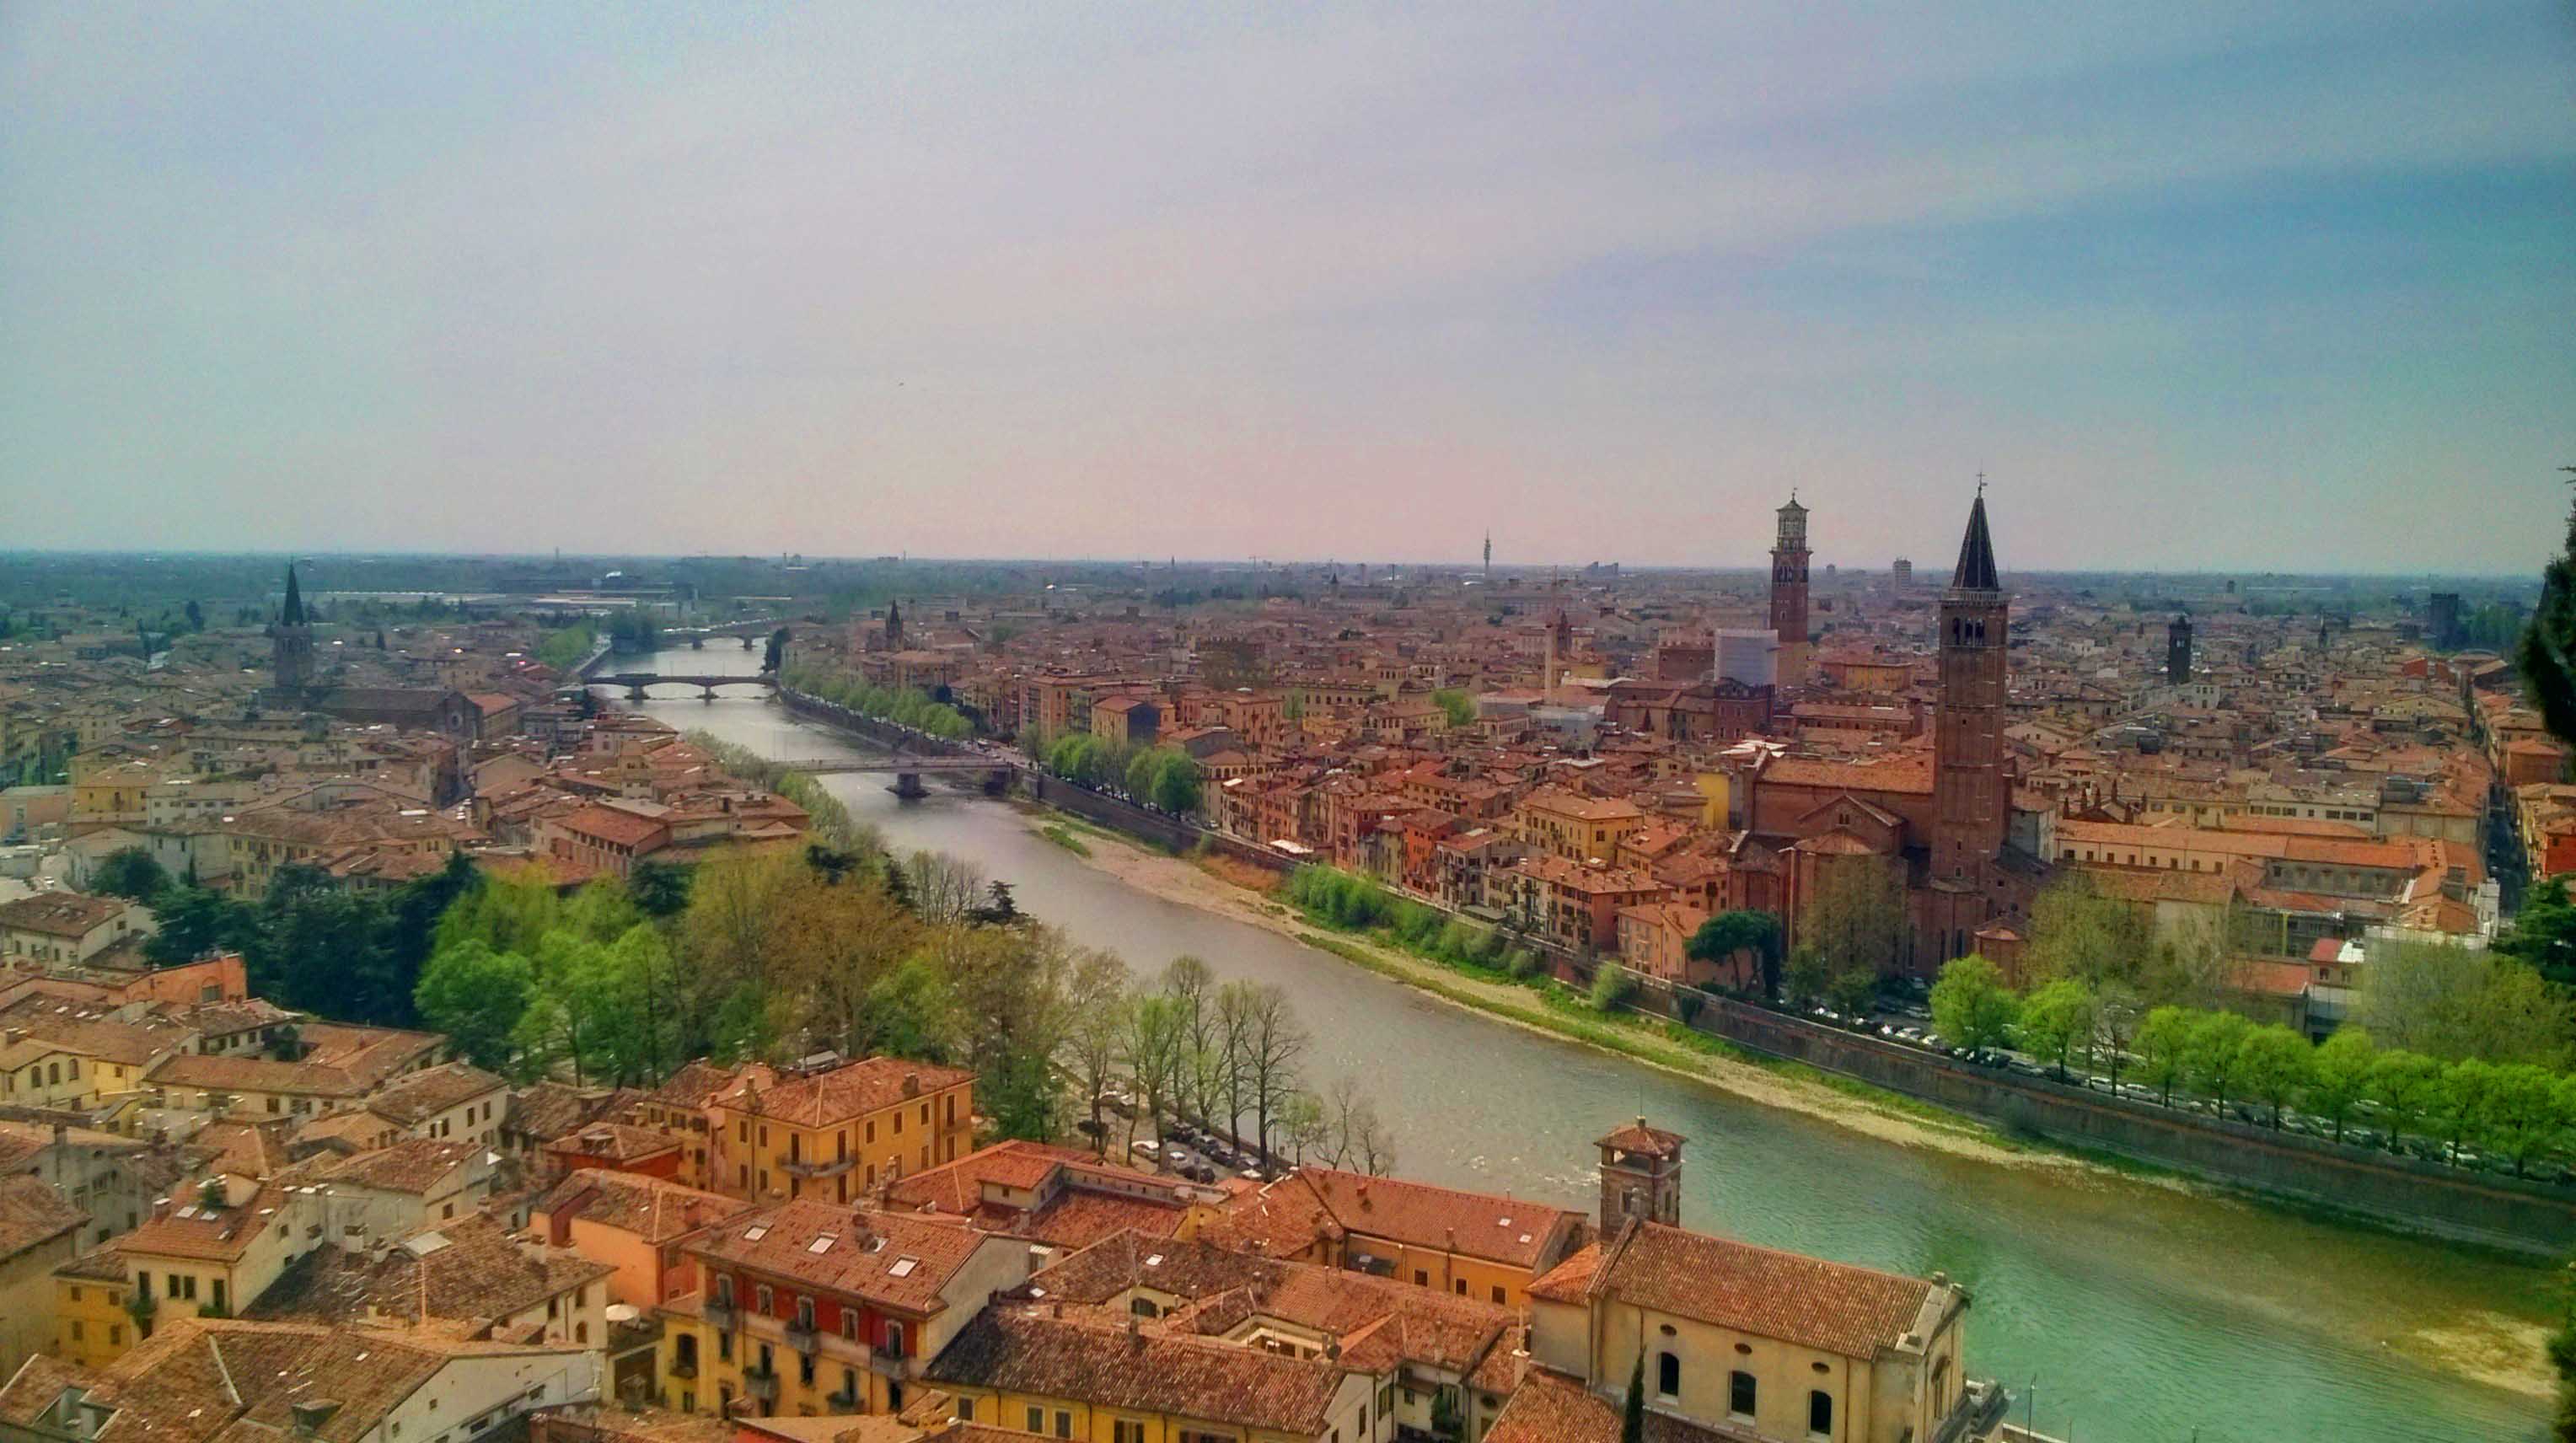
x=908, y=771
x=636, y=681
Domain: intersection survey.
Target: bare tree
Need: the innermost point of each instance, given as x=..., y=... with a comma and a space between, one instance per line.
x=944, y=888
x=1152, y=1052
x=1097, y=1042
x=1274, y=1042
x=1234, y=1008
x=1353, y=1137
x=1190, y=985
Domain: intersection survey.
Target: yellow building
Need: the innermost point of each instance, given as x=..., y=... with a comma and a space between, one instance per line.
x=1750, y=1340
x=92, y=1326
x=835, y=1134
x=810, y=1308
x=1087, y=1378
x=1558, y=823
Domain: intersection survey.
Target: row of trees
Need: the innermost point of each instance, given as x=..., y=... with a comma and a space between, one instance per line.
x=564, y=647
x=1160, y=776
x=1184, y=1046
x=903, y=706
x=2518, y=1110
x=1348, y=902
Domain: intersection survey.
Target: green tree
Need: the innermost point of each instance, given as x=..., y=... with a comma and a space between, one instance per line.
x=1737, y=932
x=2055, y=1019
x=1970, y=1004
x=2460, y=1103
x=661, y=889
x=2543, y=935
x=2273, y=1064
x=2163, y=1038
x=2404, y=1085
x=2546, y=657
x=1856, y=917
x=1456, y=705
x=476, y=996
x=131, y=873
x=1632, y=1413
x=2522, y=1114
x=2213, y=1057
x=1851, y=991
x=1612, y=987
x=2339, y=1076
x=196, y=921
x=1178, y=784
x=2077, y=933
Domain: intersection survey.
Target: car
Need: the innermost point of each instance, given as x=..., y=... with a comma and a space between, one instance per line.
x=1253, y=1174
x=1146, y=1147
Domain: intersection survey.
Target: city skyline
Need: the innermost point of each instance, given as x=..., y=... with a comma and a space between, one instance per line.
x=2195, y=287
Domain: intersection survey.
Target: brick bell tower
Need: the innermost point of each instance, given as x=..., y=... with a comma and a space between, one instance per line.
x=1971, y=780
x=1789, y=592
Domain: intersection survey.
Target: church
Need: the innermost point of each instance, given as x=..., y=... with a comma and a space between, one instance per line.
x=1942, y=824
x=295, y=688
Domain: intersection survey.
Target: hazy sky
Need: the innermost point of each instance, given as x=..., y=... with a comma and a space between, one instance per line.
x=2197, y=283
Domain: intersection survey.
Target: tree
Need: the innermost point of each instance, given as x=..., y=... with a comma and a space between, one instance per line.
x=1851, y=991
x=2454, y=1002
x=1092, y=1050
x=2339, y=1075
x=1273, y=1044
x=2116, y=1018
x=2522, y=1113
x=660, y=889
x=2077, y=933
x=130, y=872
x=1356, y=1139
x=1970, y=1004
x=1302, y=1124
x=196, y=617
x=1455, y=705
x=2162, y=1039
x=1151, y=1052
x=1177, y=785
x=2546, y=657
x=2543, y=935
x=1612, y=986
x=2213, y=1055
x=2054, y=1018
x=1632, y=1412
x=2272, y=1065
x=476, y=996
x=2461, y=1101
x=1856, y=917
x=1735, y=932
x=1806, y=976
x=2404, y=1085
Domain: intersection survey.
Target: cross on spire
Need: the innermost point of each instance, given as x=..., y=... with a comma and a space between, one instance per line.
x=1981, y=483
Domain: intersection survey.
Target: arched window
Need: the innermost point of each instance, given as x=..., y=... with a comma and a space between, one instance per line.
x=1739, y=1393
x=1820, y=1413
x=1668, y=1375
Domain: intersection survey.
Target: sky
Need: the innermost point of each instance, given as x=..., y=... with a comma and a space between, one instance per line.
x=2196, y=284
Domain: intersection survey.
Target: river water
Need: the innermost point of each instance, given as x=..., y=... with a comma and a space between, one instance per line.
x=2141, y=1312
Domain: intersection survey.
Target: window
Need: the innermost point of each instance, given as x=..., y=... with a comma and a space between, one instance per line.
x=1421, y=1278
x=1063, y=1423
x=805, y=1370
x=965, y=1410
x=1461, y=1288
x=1739, y=1393
x=1498, y=1292
x=1820, y=1413
x=1668, y=1375
x=894, y=1340
x=1037, y=1419
x=765, y=1298
x=850, y=1323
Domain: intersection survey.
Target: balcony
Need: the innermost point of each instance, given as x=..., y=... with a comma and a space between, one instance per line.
x=761, y=1386
x=809, y=1167
x=802, y=1337
x=841, y=1402
x=719, y=1314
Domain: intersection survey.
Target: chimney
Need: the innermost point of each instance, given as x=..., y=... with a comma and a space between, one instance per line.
x=311, y=1414
x=160, y=1208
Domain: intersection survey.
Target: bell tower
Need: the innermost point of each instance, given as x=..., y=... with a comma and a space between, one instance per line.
x=291, y=642
x=1641, y=1177
x=1789, y=592
x=2178, y=651
x=1971, y=790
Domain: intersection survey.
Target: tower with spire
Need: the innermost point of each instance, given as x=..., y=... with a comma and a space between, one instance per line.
x=2178, y=650
x=894, y=625
x=1489, y=558
x=1971, y=778
x=291, y=643
x=1789, y=592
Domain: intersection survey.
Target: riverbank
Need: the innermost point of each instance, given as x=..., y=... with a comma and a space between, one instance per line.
x=2493, y=1348
x=1886, y=1117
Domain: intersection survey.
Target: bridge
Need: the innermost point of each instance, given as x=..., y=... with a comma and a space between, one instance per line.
x=636, y=681
x=908, y=771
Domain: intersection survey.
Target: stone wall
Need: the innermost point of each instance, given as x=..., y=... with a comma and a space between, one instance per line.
x=2522, y=1216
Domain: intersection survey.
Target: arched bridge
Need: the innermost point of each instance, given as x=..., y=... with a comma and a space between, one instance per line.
x=636, y=681
x=908, y=771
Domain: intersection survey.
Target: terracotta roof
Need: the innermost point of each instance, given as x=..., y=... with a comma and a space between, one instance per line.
x=1514, y=1231
x=420, y=1096
x=469, y=1270
x=1644, y=1141
x=33, y=1212
x=653, y=1209
x=843, y=1094
x=60, y=914
x=895, y=1260
x=1101, y=1364
x=1832, y=1307
x=614, y=1142
x=1553, y=1408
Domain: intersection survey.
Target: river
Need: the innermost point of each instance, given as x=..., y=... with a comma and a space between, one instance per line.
x=2143, y=1313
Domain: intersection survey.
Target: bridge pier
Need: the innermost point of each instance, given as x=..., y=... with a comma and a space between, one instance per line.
x=635, y=693
x=706, y=693
x=907, y=785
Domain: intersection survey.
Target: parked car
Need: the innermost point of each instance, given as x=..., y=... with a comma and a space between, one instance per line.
x=1146, y=1147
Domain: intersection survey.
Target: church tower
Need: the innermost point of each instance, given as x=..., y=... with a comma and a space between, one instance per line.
x=2178, y=651
x=1641, y=1177
x=291, y=642
x=1971, y=787
x=894, y=625
x=1789, y=592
